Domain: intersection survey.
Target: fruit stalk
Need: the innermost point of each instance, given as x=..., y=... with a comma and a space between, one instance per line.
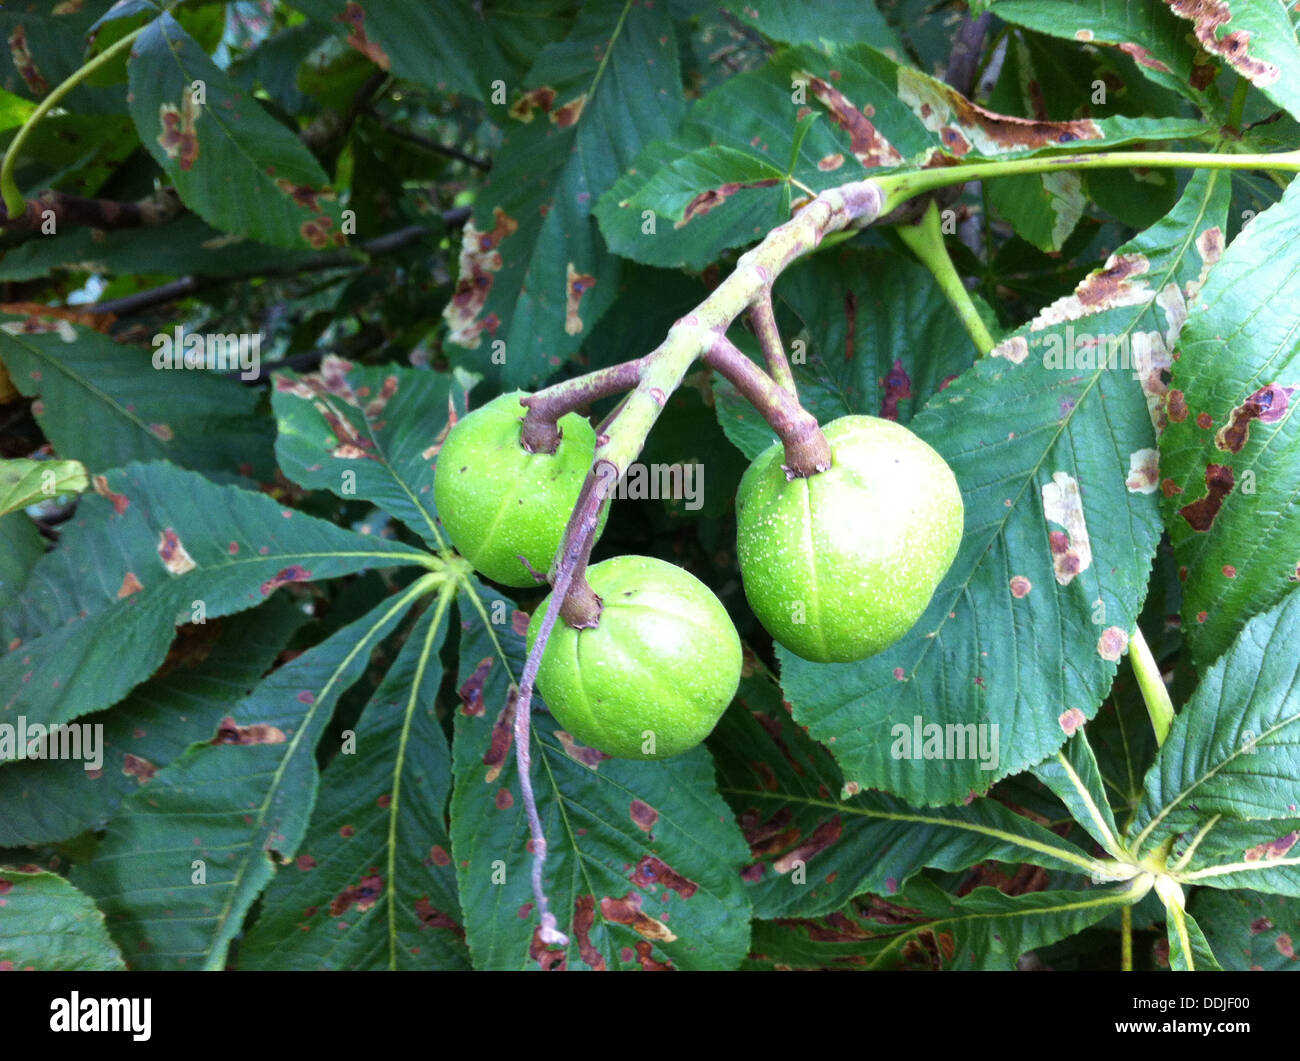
x=806, y=450
x=541, y=433
x=763, y=320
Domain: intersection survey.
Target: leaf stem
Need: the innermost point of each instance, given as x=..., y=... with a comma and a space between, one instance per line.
x=1154, y=694
x=1126, y=939
x=925, y=239
x=15, y=204
x=900, y=187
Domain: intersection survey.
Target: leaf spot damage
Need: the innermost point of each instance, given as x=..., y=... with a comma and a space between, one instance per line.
x=1143, y=471
x=354, y=15
x=173, y=555
x=964, y=126
x=576, y=285
x=1210, y=16
x=1201, y=513
x=1112, y=643
x=292, y=573
x=471, y=690
x=580, y=753
x=651, y=871
x=711, y=198
x=866, y=142
x=179, y=138
x=1269, y=404
x=643, y=815
x=230, y=732
x=1071, y=549
x=627, y=911
x=480, y=258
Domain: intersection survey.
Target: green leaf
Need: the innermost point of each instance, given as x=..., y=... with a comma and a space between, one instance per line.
x=1249, y=931
x=1234, y=749
x=813, y=846
x=1188, y=949
x=46, y=44
x=48, y=925
x=104, y=404
x=1232, y=854
x=1231, y=455
x=186, y=246
x=446, y=45
x=25, y=482
x=98, y=613
x=372, y=886
x=186, y=856
x=212, y=667
x=1255, y=39
x=673, y=194
x=644, y=859
x=1145, y=29
x=793, y=22
x=1054, y=449
x=368, y=433
x=533, y=270
x=924, y=928
x=1043, y=210
x=232, y=163
x=1072, y=773
x=21, y=546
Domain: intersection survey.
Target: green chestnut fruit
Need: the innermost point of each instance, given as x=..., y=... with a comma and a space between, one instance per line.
x=654, y=676
x=497, y=501
x=840, y=565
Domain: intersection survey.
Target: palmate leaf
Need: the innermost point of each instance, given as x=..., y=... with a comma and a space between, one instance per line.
x=811, y=849
x=232, y=163
x=212, y=668
x=1230, y=458
x=372, y=886
x=97, y=615
x=644, y=859
x=1234, y=749
x=48, y=925
x=185, y=857
x=102, y=402
x=1247, y=930
x=1054, y=448
x=924, y=928
x=711, y=187
x=533, y=270
x=370, y=433
x=794, y=22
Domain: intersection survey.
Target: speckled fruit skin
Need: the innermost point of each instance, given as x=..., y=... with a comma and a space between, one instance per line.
x=862, y=546
x=496, y=500
x=664, y=657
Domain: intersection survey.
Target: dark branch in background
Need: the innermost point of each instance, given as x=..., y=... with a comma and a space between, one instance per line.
x=424, y=142
x=964, y=59
x=190, y=285
x=325, y=134
x=72, y=211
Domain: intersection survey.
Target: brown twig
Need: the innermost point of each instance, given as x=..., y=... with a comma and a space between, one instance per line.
x=76, y=211
x=763, y=320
